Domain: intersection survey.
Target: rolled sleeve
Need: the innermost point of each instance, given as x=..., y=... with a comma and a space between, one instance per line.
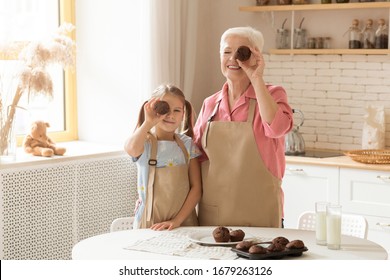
x=281, y=124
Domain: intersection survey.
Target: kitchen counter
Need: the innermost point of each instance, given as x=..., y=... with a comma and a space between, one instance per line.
x=339, y=161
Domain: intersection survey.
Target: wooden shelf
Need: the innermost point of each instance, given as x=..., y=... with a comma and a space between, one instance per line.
x=322, y=7
x=330, y=51
x=308, y=7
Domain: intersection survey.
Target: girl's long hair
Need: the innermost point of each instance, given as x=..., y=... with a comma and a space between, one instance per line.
x=187, y=126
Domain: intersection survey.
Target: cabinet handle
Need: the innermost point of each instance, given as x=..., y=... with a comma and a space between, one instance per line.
x=383, y=177
x=383, y=224
x=296, y=170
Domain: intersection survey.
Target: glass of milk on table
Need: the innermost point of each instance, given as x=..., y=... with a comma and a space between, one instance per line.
x=333, y=225
x=321, y=222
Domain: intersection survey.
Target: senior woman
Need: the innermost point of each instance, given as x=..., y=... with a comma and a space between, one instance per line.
x=241, y=130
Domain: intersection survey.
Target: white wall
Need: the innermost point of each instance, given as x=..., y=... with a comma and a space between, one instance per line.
x=108, y=108
x=332, y=91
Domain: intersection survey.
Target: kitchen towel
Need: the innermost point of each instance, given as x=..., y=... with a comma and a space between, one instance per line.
x=177, y=243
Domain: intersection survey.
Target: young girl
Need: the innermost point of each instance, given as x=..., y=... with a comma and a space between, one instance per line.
x=169, y=180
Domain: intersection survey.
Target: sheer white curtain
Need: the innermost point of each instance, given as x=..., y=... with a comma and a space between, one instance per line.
x=125, y=49
x=173, y=42
x=113, y=67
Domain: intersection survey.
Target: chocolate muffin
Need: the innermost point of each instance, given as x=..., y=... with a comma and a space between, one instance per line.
x=280, y=240
x=221, y=234
x=161, y=107
x=237, y=235
x=295, y=244
x=275, y=247
x=244, y=245
x=243, y=53
x=255, y=249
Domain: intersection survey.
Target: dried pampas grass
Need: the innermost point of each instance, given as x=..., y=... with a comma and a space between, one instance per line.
x=34, y=79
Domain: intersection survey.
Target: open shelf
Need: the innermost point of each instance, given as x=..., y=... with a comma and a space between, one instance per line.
x=322, y=7
x=308, y=7
x=330, y=51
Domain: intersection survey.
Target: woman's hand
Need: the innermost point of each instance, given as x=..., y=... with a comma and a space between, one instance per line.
x=169, y=225
x=254, y=67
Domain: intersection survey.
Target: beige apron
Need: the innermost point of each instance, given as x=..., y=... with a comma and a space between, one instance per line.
x=168, y=188
x=238, y=189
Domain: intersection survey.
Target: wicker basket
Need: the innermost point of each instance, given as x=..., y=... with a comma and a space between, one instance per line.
x=370, y=156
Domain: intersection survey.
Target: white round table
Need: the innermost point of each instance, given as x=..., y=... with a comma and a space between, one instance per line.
x=110, y=246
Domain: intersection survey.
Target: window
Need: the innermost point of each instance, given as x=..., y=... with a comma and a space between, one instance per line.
x=27, y=20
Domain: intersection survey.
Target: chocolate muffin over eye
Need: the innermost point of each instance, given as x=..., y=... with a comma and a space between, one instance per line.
x=161, y=107
x=243, y=53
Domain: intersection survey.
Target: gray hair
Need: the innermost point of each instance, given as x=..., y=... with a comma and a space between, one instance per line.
x=254, y=36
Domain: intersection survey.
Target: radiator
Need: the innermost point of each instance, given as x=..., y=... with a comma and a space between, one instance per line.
x=46, y=209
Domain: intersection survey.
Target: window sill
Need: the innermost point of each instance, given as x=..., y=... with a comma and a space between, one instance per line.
x=75, y=150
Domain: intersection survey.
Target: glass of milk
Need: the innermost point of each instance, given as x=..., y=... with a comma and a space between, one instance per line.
x=321, y=222
x=333, y=226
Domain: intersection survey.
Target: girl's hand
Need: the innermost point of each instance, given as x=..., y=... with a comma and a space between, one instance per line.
x=169, y=225
x=150, y=115
x=254, y=67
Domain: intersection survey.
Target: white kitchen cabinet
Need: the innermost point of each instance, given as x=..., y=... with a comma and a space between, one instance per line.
x=303, y=185
x=367, y=193
x=360, y=191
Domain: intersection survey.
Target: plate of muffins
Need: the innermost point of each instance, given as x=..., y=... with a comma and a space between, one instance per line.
x=220, y=236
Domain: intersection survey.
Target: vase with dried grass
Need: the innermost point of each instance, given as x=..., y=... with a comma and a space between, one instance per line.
x=33, y=77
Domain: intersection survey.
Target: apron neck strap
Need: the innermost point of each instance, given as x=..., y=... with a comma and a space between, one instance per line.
x=183, y=148
x=152, y=171
x=251, y=110
x=209, y=120
x=153, y=152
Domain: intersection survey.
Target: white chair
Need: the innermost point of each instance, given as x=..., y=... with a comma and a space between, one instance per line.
x=124, y=223
x=352, y=225
x=307, y=221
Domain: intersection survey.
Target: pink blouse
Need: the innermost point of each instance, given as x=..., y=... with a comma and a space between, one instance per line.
x=269, y=137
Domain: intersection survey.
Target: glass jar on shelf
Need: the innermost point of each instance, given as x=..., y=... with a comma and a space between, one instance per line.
x=311, y=43
x=381, y=35
x=355, y=41
x=327, y=43
x=300, y=2
x=299, y=38
x=319, y=43
x=284, y=2
x=368, y=35
x=282, y=38
x=262, y=2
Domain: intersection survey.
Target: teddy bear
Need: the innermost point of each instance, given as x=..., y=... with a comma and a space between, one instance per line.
x=38, y=143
